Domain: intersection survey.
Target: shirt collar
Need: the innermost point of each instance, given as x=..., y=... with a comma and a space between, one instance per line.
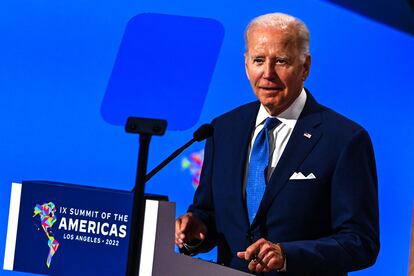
x=289, y=116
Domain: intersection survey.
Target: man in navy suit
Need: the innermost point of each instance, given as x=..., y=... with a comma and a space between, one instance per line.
x=304, y=200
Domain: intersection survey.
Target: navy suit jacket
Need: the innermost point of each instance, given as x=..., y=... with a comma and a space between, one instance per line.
x=327, y=225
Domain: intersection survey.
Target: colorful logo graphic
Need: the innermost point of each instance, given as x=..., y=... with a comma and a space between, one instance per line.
x=47, y=217
x=194, y=162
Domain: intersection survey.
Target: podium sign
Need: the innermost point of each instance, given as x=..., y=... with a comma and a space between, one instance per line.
x=63, y=229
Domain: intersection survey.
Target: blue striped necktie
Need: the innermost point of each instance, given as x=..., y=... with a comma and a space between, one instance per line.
x=256, y=177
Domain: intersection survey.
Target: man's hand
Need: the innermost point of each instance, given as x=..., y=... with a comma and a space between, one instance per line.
x=263, y=256
x=189, y=228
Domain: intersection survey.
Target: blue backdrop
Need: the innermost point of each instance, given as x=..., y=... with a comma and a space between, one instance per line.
x=71, y=71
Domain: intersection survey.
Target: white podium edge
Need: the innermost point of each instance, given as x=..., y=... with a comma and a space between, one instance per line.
x=14, y=210
x=148, y=238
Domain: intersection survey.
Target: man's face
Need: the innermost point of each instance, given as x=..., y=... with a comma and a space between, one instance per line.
x=274, y=67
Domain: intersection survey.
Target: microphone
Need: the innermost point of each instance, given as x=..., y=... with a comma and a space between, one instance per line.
x=202, y=133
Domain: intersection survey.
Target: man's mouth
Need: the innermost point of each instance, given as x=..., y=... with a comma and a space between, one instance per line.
x=271, y=88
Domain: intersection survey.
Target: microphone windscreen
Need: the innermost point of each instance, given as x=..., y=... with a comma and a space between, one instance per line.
x=203, y=132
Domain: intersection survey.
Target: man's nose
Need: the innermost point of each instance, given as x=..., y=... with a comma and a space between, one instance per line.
x=270, y=71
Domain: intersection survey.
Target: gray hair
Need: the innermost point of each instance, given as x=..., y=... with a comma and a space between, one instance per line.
x=284, y=22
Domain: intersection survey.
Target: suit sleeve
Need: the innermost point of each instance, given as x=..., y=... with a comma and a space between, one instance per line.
x=354, y=243
x=203, y=206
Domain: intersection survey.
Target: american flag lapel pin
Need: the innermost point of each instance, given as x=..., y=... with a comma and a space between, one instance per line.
x=307, y=135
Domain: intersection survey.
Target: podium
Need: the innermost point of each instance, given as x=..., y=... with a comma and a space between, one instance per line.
x=65, y=229
x=158, y=256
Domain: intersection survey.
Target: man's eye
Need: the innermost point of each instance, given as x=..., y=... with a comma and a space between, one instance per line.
x=258, y=60
x=282, y=62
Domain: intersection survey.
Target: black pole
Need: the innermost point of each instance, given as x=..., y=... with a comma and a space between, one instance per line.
x=138, y=210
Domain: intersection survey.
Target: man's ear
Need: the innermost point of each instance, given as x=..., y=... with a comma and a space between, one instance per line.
x=306, y=67
x=246, y=57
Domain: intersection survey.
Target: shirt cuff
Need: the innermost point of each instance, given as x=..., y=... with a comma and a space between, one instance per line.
x=283, y=268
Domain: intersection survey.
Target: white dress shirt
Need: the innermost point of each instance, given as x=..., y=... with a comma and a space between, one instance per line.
x=279, y=136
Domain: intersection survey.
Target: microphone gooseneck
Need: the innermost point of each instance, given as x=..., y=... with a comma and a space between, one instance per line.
x=202, y=133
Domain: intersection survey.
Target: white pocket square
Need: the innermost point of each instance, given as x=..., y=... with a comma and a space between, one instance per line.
x=299, y=175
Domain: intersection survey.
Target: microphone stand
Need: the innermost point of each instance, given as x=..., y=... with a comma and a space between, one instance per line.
x=138, y=209
x=145, y=128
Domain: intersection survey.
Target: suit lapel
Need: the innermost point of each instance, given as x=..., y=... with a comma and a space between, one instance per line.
x=304, y=137
x=240, y=136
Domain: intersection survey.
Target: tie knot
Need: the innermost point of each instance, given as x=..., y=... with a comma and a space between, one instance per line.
x=271, y=123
